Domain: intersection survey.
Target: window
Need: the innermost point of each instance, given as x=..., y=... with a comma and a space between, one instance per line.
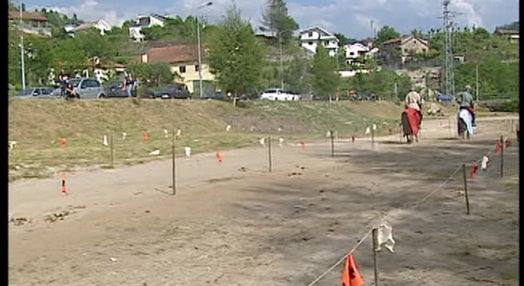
x=182, y=69
x=196, y=68
x=310, y=34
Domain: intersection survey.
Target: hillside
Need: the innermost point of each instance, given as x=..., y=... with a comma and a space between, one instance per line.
x=38, y=126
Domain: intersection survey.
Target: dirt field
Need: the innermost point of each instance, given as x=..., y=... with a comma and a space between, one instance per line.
x=238, y=223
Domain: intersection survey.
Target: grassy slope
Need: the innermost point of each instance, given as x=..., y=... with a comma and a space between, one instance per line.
x=38, y=125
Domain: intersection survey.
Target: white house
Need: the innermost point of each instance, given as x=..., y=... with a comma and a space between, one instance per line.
x=358, y=50
x=311, y=37
x=135, y=28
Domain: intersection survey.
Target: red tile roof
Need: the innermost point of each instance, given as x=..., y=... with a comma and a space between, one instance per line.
x=173, y=54
x=13, y=14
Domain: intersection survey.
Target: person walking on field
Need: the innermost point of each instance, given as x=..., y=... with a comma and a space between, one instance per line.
x=465, y=101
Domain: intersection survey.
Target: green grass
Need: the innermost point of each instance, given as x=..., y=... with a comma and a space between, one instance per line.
x=38, y=125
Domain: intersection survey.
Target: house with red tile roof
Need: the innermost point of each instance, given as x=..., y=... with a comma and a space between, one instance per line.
x=183, y=60
x=30, y=22
x=405, y=47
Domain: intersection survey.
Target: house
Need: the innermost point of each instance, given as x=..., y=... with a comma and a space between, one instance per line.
x=511, y=35
x=183, y=60
x=135, y=27
x=404, y=47
x=311, y=37
x=357, y=51
x=101, y=25
x=31, y=22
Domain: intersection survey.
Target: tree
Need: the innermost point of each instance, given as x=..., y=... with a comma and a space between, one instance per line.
x=325, y=75
x=296, y=75
x=14, y=66
x=235, y=54
x=275, y=18
x=386, y=33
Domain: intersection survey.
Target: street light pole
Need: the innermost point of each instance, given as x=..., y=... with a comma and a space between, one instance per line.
x=199, y=49
x=22, y=48
x=281, y=61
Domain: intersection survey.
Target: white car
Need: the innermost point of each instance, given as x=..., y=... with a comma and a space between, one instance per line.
x=278, y=94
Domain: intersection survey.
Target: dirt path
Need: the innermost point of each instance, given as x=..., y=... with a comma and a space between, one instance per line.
x=236, y=223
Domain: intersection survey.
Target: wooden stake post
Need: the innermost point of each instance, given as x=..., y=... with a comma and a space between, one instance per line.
x=465, y=186
x=332, y=137
x=269, y=152
x=173, y=162
x=502, y=143
x=375, y=246
x=112, y=149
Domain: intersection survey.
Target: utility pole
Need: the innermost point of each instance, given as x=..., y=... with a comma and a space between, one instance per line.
x=449, y=77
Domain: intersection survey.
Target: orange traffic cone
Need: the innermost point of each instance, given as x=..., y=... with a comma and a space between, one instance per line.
x=145, y=136
x=219, y=157
x=63, y=142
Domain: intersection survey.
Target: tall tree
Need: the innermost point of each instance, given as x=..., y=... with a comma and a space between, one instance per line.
x=275, y=18
x=235, y=55
x=325, y=76
x=386, y=33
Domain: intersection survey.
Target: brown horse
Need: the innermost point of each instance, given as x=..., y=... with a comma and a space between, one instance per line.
x=410, y=119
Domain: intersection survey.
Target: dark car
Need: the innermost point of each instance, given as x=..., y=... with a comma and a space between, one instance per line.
x=177, y=91
x=367, y=96
x=217, y=95
x=114, y=89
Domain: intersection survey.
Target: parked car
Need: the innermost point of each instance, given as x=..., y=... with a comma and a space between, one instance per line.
x=217, y=95
x=176, y=91
x=444, y=97
x=278, y=94
x=367, y=96
x=87, y=87
x=114, y=89
x=37, y=92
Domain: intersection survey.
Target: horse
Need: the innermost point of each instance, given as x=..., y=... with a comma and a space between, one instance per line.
x=410, y=120
x=464, y=124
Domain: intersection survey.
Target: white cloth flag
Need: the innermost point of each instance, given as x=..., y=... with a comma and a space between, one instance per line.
x=105, y=140
x=484, y=163
x=385, y=237
x=368, y=131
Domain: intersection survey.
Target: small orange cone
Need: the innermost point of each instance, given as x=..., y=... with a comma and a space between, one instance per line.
x=350, y=274
x=219, y=157
x=145, y=136
x=303, y=144
x=63, y=184
x=63, y=142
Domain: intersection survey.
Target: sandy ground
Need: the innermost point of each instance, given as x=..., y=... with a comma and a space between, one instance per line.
x=239, y=223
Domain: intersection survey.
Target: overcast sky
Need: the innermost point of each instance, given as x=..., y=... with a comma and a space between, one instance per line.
x=352, y=18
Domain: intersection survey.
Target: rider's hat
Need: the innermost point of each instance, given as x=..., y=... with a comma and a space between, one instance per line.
x=468, y=87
